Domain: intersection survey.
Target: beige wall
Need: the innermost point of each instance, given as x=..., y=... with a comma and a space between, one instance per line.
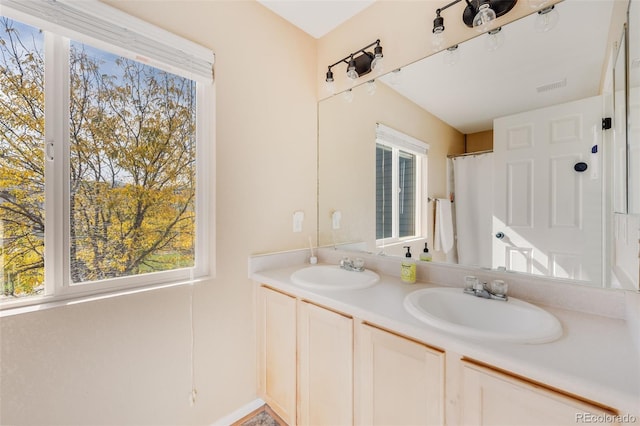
x=347, y=133
x=126, y=360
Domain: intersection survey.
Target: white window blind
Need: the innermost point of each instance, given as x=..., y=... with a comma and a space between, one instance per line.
x=107, y=27
x=389, y=136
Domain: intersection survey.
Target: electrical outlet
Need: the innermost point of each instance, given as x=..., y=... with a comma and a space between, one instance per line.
x=336, y=217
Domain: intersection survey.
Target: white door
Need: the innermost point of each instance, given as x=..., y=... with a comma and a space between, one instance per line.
x=547, y=217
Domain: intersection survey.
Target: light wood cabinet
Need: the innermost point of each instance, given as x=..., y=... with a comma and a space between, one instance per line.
x=398, y=381
x=325, y=366
x=277, y=352
x=494, y=398
x=319, y=367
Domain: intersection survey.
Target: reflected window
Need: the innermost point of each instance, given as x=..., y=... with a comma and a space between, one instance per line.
x=400, y=174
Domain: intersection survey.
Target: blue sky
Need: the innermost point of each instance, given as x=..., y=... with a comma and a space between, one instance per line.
x=29, y=35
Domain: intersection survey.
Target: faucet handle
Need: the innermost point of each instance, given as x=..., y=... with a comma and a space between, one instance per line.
x=499, y=288
x=478, y=285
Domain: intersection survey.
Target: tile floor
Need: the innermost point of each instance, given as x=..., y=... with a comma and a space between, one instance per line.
x=263, y=416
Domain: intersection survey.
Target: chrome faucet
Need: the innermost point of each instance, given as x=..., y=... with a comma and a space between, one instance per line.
x=480, y=289
x=356, y=265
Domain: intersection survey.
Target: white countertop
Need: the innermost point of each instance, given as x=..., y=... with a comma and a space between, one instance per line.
x=595, y=358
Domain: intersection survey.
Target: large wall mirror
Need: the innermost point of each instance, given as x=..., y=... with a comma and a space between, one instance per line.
x=513, y=154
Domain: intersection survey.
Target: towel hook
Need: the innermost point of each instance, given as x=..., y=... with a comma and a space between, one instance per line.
x=429, y=199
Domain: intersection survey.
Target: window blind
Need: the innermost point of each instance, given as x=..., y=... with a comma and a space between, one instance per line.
x=385, y=134
x=106, y=27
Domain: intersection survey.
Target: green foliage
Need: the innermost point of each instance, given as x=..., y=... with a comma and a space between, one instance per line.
x=132, y=166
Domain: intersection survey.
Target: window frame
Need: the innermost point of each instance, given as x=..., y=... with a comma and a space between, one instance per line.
x=397, y=141
x=58, y=286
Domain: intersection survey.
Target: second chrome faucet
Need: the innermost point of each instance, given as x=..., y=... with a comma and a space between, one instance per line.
x=497, y=291
x=356, y=264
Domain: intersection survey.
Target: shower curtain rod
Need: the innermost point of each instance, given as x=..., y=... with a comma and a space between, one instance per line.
x=470, y=153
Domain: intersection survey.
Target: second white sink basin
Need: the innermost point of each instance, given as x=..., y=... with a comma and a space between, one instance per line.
x=332, y=277
x=450, y=309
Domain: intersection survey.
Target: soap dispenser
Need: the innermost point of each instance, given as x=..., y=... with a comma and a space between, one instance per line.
x=408, y=268
x=425, y=255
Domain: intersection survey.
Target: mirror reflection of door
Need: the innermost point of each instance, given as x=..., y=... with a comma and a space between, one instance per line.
x=546, y=203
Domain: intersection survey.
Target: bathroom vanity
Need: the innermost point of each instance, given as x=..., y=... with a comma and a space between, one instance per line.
x=356, y=356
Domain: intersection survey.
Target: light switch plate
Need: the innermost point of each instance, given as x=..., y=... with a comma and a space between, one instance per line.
x=298, y=218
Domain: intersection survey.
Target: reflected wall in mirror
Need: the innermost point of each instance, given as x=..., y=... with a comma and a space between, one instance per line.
x=452, y=106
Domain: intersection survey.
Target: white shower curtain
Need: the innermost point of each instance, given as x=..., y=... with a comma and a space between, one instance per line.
x=473, y=184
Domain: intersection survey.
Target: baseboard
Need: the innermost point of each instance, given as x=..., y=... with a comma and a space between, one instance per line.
x=239, y=413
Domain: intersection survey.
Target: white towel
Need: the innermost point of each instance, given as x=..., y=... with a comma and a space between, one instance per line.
x=444, y=226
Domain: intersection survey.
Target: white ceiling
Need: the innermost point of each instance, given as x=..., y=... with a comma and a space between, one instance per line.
x=468, y=98
x=316, y=17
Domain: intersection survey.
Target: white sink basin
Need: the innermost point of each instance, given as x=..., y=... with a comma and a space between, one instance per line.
x=450, y=309
x=332, y=277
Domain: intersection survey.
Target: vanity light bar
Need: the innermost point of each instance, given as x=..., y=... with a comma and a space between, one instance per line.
x=361, y=64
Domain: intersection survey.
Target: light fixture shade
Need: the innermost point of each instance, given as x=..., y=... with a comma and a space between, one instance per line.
x=351, y=70
x=347, y=95
x=494, y=40
x=483, y=18
x=371, y=87
x=438, y=23
x=536, y=4
x=547, y=19
x=330, y=87
x=329, y=77
x=437, y=41
x=451, y=55
x=377, y=64
x=396, y=77
x=329, y=83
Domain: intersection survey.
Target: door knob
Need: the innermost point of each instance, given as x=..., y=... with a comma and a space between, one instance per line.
x=500, y=235
x=580, y=167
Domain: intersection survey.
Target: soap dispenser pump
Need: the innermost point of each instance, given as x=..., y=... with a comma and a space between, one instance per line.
x=425, y=255
x=408, y=268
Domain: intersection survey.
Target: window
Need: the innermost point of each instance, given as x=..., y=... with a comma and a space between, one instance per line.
x=106, y=152
x=400, y=176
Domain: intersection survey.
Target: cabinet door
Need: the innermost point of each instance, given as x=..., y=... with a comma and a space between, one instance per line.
x=398, y=381
x=277, y=352
x=494, y=398
x=325, y=363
